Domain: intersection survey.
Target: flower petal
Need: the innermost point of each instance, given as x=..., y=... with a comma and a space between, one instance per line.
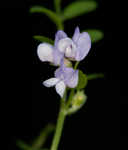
x=50, y=82
x=68, y=75
x=60, y=88
x=63, y=72
x=59, y=73
x=45, y=52
x=72, y=81
x=63, y=44
x=59, y=35
x=76, y=35
x=57, y=57
x=83, y=46
x=70, y=51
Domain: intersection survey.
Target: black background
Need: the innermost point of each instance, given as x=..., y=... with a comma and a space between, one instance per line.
x=29, y=106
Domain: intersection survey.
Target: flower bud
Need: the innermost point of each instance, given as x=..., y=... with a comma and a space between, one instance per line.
x=78, y=101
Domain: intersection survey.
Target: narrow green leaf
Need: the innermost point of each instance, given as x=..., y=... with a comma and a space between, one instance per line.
x=82, y=81
x=41, y=139
x=41, y=38
x=24, y=146
x=78, y=8
x=53, y=16
x=96, y=35
x=95, y=76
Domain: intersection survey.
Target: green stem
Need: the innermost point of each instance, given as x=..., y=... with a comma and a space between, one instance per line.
x=76, y=65
x=62, y=114
x=70, y=98
x=57, y=4
x=60, y=25
x=59, y=127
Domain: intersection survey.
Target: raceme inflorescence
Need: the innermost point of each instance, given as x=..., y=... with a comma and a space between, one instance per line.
x=65, y=54
x=65, y=49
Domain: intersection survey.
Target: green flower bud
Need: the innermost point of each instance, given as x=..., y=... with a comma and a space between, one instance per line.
x=78, y=101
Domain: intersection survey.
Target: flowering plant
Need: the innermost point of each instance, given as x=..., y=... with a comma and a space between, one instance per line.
x=65, y=53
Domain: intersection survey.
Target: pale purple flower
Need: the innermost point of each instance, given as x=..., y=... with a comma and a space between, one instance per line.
x=64, y=77
x=76, y=48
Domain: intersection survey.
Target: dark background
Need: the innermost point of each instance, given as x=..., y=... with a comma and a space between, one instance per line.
x=29, y=106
